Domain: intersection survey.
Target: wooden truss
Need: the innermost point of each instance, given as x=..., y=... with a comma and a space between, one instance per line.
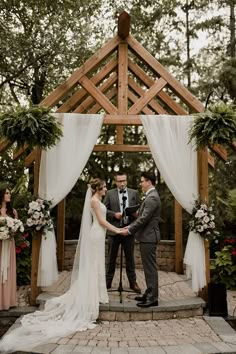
x=122, y=80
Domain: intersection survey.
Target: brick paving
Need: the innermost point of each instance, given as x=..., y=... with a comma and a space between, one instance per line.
x=194, y=335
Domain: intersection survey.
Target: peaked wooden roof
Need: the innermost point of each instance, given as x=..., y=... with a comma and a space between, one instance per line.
x=114, y=81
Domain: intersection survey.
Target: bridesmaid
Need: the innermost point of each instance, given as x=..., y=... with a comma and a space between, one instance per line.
x=8, y=287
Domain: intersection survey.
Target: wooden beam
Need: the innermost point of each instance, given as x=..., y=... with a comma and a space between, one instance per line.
x=122, y=102
x=36, y=240
x=153, y=104
x=30, y=158
x=123, y=119
x=55, y=96
x=97, y=95
x=220, y=151
x=96, y=108
x=72, y=102
x=203, y=193
x=148, y=81
x=134, y=99
x=147, y=97
x=90, y=100
x=4, y=144
x=123, y=25
x=211, y=161
x=121, y=147
x=179, y=90
x=178, y=238
x=60, y=234
x=18, y=152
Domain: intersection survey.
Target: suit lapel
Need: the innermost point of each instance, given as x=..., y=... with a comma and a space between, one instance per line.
x=116, y=199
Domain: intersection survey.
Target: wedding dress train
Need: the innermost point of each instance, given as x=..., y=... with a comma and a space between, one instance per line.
x=78, y=308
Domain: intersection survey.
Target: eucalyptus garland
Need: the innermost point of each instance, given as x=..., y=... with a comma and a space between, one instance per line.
x=217, y=125
x=34, y=126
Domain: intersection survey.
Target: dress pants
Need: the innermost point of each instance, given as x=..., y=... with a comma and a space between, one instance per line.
x=114, y=243
x=148, y=255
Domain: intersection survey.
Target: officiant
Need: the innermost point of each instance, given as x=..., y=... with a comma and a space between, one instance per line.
x=116, y=201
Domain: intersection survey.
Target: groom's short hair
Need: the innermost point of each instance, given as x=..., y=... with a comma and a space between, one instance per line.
x=149, y=176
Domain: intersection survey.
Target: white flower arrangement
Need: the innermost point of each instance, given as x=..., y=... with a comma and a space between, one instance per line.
x=39, y=215
x=202, y=221
x=9, y=227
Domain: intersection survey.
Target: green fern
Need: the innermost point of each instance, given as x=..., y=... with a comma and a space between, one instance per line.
x=34, y=126
x=217, y=125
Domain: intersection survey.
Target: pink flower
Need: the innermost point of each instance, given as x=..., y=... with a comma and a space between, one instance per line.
x=23, y=245
x=18, y=250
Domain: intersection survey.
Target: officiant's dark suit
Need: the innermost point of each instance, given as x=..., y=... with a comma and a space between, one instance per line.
x=147, y=232
x=114, y=201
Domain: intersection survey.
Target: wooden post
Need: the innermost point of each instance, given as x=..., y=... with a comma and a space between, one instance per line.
x=60, y=234
x=178, y=239
x=122, y=86
x=203, y=193
x=123, y=25
x=36, y=240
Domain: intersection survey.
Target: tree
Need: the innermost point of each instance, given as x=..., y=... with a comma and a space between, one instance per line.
x=42, y=42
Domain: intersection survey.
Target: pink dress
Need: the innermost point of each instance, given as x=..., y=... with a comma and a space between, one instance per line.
x=8, y=288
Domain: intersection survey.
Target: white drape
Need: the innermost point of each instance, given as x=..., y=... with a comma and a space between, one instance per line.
x=177, y=161
x=60, y=168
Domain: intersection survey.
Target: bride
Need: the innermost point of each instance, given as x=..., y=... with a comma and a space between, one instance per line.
x=78, y=308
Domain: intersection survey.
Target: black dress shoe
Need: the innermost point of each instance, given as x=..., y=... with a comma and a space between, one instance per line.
x=140, y=298
x=145, y=304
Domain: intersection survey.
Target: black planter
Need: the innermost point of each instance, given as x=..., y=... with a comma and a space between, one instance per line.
x=217, y=300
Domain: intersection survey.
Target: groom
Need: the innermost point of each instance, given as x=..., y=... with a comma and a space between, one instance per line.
x=146, y=231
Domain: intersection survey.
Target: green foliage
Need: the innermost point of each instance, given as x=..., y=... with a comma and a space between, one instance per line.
x=23, y=266
x=34, y=126
x=231, y=206
x=228, y=76
x=217, y=125
x=223, y=268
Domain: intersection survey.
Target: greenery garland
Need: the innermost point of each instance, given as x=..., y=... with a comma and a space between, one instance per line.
x=217, y=125
x=34, y=126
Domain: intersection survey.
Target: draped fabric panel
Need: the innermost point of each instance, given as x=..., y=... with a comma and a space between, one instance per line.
x=176, y=160
x=60, y=168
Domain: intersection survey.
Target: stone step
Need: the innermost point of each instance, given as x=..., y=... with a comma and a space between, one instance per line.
x=128, y=311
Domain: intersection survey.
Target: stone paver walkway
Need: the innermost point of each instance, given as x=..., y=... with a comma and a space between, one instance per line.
x=195, y=335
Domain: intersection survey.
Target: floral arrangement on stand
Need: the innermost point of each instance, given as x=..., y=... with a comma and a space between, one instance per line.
x=202, y=221
x=10, y=227
x=39, y=216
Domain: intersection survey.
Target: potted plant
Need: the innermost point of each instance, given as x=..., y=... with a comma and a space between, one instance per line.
x=223, y=277
x=34, y=127
x=217, y=125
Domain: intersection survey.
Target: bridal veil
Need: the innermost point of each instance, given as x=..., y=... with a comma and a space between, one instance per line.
x=76, y=310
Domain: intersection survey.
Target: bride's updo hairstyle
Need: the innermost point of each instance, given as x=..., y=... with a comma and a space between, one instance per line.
x=96, y=184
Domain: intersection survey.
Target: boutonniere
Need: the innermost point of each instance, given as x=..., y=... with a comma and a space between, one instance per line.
x=143, y=198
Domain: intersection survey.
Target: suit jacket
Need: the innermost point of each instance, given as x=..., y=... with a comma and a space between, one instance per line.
x=112, y=203
x=146, y=226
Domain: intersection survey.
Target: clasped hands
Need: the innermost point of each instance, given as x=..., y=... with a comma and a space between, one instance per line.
x=124, y=231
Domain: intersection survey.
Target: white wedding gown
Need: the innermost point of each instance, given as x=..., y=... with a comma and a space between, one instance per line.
x=78, y=308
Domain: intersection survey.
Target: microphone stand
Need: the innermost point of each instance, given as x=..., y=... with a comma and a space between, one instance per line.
x=122, y=224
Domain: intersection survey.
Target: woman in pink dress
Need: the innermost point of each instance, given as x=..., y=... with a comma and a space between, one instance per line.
x=7, y=279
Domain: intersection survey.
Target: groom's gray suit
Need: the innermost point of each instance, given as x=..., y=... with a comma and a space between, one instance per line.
x=112, y=203
x=147, y=232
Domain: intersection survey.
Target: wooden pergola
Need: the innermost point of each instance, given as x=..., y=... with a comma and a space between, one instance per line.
x=113, y=81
